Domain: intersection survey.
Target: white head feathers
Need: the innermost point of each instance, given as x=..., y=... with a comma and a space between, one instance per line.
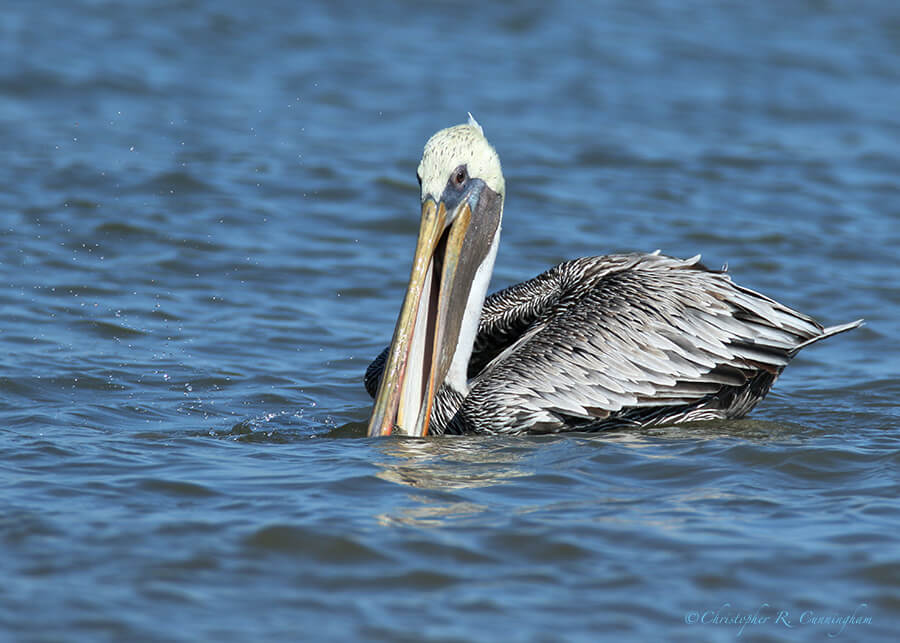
x=474, y=123
x=455, y=146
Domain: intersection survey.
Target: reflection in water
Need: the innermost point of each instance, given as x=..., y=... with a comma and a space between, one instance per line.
x=444, y=468
x=451, y=463
x=443, y=464
x=431, y=513
x=663, y=437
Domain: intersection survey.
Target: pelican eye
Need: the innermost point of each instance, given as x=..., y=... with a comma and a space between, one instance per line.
x=459, y=176
x=419, y=179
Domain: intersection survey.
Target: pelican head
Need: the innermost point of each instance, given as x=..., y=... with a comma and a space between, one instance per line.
x=462, y=192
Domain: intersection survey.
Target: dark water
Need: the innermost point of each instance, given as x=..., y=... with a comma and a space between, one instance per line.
x=208, y=212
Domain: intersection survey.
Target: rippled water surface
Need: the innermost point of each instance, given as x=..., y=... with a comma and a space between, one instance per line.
x=208, y=211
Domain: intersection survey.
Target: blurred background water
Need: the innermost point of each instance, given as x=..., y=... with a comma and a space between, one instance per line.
x=208, y=211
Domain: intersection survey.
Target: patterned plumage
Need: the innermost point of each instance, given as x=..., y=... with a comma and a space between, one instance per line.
x=632, y=339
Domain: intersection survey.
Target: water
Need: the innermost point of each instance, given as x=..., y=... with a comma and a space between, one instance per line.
x=208, y=212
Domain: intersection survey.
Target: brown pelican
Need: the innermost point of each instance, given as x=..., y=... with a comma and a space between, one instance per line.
x=596, y=342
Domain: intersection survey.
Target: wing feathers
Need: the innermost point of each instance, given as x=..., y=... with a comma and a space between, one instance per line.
x=612, y=334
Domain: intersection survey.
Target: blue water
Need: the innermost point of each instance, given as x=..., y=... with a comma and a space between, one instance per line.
x=208, y=212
